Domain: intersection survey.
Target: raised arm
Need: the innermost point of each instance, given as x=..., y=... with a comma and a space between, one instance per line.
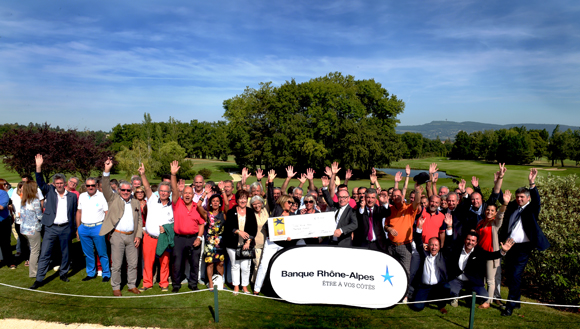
x=375, y=181
x=334, y=169
x=39, y=179
x=270, y=195
x=176, y=193
x=398, y=178
x=200, y=209
x=146, y=185
x=325, y=192
x=347, y=176
x=534, y=195
x=408, y=172
x=245, y=175
x=310, y=177
x=498, y=178
x=107, y=190
x=432, y=189
x=289, y=174
x=418, y=195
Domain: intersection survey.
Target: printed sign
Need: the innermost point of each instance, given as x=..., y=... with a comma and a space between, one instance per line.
x=301, y=226
x=340, y=276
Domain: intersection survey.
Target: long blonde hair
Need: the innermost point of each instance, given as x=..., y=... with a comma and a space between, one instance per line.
x=29, y=190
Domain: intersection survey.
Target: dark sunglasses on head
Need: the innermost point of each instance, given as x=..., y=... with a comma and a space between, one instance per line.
x=90, y=185
x=125, y=190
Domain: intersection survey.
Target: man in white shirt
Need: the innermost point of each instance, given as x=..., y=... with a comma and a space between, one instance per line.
x=159, y=213
x=91, y=213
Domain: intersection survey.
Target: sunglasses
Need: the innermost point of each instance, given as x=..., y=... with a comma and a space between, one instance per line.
x=138, y=192
x=90, y=185
x=309, y=201
x=290, y=202
x=125, y=190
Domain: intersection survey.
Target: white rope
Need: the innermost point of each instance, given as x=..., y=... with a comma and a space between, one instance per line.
x=115, y=297
x=274, y=298
x=530, y=303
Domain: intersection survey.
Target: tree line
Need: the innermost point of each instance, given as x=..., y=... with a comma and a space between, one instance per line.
x=517, y=145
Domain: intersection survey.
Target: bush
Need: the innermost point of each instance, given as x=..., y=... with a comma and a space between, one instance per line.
x=556, y=271
x=206, y=173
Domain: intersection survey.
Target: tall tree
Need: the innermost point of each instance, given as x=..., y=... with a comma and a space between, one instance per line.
x=461, y=147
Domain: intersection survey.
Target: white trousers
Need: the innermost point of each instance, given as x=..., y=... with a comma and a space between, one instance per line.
x=270, y=248
x=237, y=264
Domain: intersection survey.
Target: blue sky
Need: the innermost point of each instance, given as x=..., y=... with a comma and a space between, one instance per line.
x=89, y=64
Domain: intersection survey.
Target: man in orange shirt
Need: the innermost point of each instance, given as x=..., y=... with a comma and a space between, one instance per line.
x=399, y=225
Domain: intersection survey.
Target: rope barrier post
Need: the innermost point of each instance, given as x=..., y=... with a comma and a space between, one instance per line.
x=216, y=305
x=472, y=312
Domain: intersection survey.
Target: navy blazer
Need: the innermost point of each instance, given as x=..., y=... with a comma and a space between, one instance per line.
x=51, y=202
x=439, y=261
x=529, y=218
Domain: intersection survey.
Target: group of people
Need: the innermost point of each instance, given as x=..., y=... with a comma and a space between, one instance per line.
x=446, y=240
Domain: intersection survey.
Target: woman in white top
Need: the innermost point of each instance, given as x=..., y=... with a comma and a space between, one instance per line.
x=30, y=216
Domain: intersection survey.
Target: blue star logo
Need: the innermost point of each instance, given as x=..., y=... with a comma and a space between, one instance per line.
x=387, y=276
x=279, y=221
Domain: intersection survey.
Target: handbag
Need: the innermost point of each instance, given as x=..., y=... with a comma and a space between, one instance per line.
x=242, y=253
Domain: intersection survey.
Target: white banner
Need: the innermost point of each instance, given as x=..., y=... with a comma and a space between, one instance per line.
x=301, y=226
x=337, y=275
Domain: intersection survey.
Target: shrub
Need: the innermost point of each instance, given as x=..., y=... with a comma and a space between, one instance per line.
x=556, y=271
x=206, y=173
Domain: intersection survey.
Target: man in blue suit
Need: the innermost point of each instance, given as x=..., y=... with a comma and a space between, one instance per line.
x=522, y=226
x=58, y=222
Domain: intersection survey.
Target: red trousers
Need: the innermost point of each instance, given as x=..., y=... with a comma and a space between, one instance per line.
x=149, y=248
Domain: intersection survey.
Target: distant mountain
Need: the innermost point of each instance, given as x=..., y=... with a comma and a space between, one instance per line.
x=448, y=129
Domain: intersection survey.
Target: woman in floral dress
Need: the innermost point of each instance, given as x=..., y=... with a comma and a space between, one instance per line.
x=213, y=253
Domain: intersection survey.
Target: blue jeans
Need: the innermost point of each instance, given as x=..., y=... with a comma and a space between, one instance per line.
x=425, y=292
x=91, y=240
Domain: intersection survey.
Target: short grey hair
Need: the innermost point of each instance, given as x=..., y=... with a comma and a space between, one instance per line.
x=257, y=198
x=256, y=185
x=297, y=189
x=165, y=184
x=124, y=182
x=442, y=187
x=58, y=176
x=371, y=190
x=310, y=197
x=278, y=189
x=136, y=179
x=93, y=179
x=73, y=177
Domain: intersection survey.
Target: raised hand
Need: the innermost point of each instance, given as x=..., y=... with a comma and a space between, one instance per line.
x=221, y=185
x=108, y=163
x=449, y=220
x=384, y=199
x=398, y=176
x=461, y=185
x=418, y=191
x=259, y=174
x=38, y=160
x=174, y=167
x=508, y=245
x=474, y=181
x=420, y=222
x=507, y=196
x=435, y=177
x=348, y=174
x=373, y=176
x=408, y=170
x=181, y=185
x=245, y=174
x=325, y=181
x=290, y=172
x=141, y=169
x=207, y=189
x=271, y=175
x=335, y=169
x=328, y=172
x=310, y=174
x=533, y=175
x=302, y=178
x=502, y=170
x=432, y=168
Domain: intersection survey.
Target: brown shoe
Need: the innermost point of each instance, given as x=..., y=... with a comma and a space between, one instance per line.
x=135, y=291
x=117, y=293
x=483, y=306
x=443, y=311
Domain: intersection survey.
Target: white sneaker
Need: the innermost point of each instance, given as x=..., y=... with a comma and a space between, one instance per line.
x=56, y=268
x=405, y=300
x=454, y=303
x=99, y=273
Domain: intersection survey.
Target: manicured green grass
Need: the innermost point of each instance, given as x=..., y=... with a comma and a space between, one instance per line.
x=196, y=310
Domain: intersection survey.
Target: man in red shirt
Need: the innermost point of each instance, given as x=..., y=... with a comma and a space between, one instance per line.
x=188, y=227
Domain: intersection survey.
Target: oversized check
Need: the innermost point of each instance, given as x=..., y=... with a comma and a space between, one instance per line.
x=301, y=226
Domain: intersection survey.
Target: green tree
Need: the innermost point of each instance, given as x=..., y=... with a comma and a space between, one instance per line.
x=514, y=146
x=540, y=144
x=558, y=146
x=461, y=147
x=129, y=159
x=414, y=143
x=311, y=124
